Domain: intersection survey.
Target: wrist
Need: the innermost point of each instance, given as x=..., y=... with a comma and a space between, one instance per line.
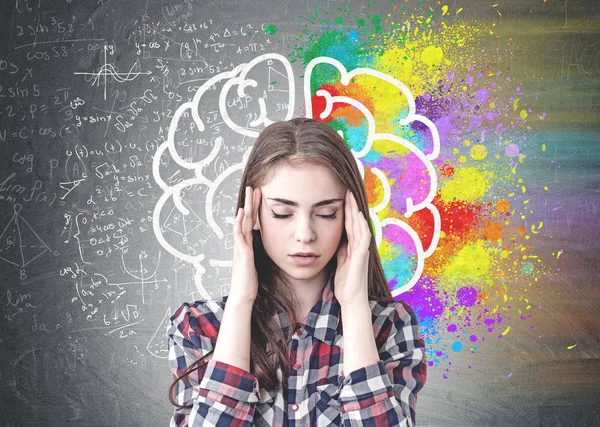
x=355, y=303
x=239, y=303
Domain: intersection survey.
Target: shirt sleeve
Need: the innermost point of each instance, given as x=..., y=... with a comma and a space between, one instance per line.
x=220, y=394
x=385, y=393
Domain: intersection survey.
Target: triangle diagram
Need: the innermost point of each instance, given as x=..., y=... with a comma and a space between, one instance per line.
x=182, y=224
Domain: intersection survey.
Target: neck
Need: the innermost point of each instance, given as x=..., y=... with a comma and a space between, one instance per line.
x=307, y=293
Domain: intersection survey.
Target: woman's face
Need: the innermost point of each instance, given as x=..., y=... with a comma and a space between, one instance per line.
x=302, y=210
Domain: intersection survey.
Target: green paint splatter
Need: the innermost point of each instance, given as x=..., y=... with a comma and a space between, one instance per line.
x=527, y=268
x=345, y=47
x=270, y=29
x=339, y=20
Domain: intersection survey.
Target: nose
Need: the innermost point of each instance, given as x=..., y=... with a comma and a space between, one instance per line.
x=304, y=230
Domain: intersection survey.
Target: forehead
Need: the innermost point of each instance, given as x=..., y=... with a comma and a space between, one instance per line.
x=305, y=180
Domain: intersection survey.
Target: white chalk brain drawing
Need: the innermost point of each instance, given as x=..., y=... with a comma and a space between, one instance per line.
x=199, y=166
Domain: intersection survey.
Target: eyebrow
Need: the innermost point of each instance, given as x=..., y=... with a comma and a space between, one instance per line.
x=295, y=204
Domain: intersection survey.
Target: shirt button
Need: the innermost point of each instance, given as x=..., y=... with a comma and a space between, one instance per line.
x=299, y=330
x=297, y=366
x=295, y=407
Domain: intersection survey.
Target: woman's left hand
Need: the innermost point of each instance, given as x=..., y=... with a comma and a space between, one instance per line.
x=352, y=270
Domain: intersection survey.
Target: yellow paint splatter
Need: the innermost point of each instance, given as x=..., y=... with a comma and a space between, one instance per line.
x=471, y=261
x=468, y=184
x=516, y=104
x=390, y=148
x=432, y=55
x=479, y=152
x=571, y=346
x=506, y=331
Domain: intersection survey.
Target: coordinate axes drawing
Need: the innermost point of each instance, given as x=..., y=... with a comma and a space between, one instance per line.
x=108, y=70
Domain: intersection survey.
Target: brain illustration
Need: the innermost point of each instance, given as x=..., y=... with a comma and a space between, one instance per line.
x=199, y=165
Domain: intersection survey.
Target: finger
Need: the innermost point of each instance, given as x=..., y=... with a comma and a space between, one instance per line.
x=342, y=253
x=348, y=221
x=356, y=225
x=257, y=198
x=362, y=226
x=237, y=225
x=366, y=232
x=247, y=211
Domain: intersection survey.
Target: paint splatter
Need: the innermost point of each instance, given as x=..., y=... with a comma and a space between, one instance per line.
x=270, y=29
x=471, y=285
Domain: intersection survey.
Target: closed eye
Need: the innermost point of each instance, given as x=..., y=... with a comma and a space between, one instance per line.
x=332, y=216
x=274, y=215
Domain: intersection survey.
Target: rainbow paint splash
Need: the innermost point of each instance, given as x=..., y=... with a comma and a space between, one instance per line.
x=482, y=259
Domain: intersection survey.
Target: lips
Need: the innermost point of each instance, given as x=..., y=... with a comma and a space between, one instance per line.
x=305, y=254
x=304, y=258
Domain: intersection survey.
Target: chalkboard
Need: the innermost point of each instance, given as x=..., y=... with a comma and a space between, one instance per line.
x=123, y=131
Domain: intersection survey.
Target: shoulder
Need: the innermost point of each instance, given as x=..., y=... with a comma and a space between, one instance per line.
x=198, y=320
x=394, y=319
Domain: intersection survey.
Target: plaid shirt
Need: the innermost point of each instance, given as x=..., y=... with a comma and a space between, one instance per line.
x=317, y=393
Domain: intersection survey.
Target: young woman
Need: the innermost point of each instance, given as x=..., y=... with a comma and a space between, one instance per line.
x=309, y=334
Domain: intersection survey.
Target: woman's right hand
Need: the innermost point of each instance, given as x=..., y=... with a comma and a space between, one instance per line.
x=244, y=278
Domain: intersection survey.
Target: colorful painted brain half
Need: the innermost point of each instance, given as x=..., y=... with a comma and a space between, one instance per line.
x=394, y=148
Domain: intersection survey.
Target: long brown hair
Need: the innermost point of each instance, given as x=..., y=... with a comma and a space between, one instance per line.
x=294, y=142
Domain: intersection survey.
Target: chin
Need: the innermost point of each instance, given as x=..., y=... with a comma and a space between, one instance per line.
x=303, y=273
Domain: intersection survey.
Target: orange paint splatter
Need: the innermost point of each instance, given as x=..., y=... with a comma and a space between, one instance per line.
x=492, y=231
x=353, y=116
x=502, y=205
x=373, y=187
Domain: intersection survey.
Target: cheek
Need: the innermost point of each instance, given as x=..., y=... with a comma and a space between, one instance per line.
x=334, y=232
x=271, y=229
